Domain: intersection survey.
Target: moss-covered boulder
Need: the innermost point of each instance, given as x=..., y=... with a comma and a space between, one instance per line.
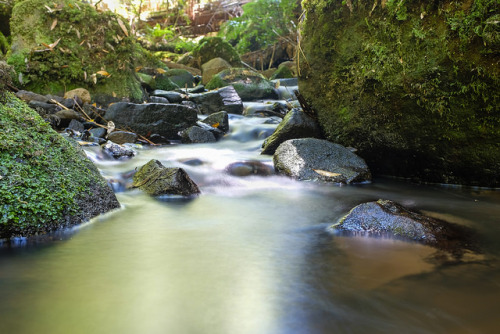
x=250, y=85
x=64, y=44
x=45, y=182
x=412, y=84
x=212, y=47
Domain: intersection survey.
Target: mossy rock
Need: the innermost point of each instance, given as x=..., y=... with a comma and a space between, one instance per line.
x=248, y=84
x=283, y=72
x=180, y=77
x=212, y=47
x=4, y=45
x=412, y=85
x=73, y=45
x=163, y=82
x=45, y=182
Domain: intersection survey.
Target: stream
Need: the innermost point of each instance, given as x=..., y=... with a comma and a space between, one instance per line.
x=252, y=255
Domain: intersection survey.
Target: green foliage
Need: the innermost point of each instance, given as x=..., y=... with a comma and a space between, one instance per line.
x=168, y=39
x=4, y=45
x=263, y=22
x=41, y=175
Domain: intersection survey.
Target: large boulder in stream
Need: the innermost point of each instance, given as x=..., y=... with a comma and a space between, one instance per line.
x=163, y=119
x=314, y=159
x=388, y=218
x=412, y=85
x=250, y=85
x=155, y=179
x=296, y=124
x=46, y=183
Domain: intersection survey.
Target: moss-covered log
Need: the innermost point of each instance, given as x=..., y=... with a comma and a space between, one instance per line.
x=45, y=182
x=412, y=84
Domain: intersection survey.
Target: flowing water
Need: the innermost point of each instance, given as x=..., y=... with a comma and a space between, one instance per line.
x=251, y=255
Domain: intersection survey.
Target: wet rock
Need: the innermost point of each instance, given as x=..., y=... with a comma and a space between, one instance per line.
x=259, y=109
x=158, y=139
x=195, y=134
x=43, y=108
x=385, y=217
x=212, y=67
x=76, y=125
x=122, y=137
x=158, y=99
x=248, y=84
x=28, y=96
x=296, y=124
x=319, y=160
x=98, y=132
x=181, y=78
x=64, y=117
x=117, y=151
x=164, y=119
x=218, y=120
x=173, y=97
x=224, y=99
x=81, y=93
x=155, y=179
x=248, y=168
x=197, y=89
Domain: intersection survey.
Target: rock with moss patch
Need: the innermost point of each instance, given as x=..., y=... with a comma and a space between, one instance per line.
x=86, y=48
x=155, y=179
x=212, y=67
x=117, y=151
x=163, y=119
x=296, y=124
x=250, y=85
x=181, y=78
x=314, y=159
x=412, y=85
x=388, y=218
x=284, y=71
x=213, y=47
x=46, y=183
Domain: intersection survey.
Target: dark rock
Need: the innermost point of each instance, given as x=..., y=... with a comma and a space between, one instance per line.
x=56, y=98
x=158, y=139
x=164, y=119
x=155, y=179
x=248, y=84
x=64, y=117
x=72, y=103
x=248, y=168
x=173, y=97
x=385, y=217
x=117, y=151
x=316, y=159
x=98, y=132
x=76, y=126
x=158, y=99
x=192, y=162
x=28, y=96
x=122, y=137
x=219, y=120
x=197, y=89
x=218, y=133
x=180, y=77
x=43, y=108
x=296, y=124
x=224, y=99
x=195, y=134
x=261, y=109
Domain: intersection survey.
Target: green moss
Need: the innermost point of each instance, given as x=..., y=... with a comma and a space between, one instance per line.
x=87, y=42
x=412, y=89
x=282, y=72
x=42, y=177
x=213, y=47
x=4, y=45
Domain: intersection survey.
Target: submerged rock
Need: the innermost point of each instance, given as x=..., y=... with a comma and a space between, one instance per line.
x=248, y=168
x=296, y=124
x=155, y=179
x=319, y=160
x=164, y=119
x=385, y=217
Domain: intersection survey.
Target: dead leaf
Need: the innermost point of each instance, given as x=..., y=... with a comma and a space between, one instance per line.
x=160, y=71
x=103, y=73
x=77, y=33
x=54, y=23
x=77, y=6
x=125, y=31
x=94, y=78
x=114, y=94
x=215, y=125
x=277, y=85
x=104, y=50
x=48, y=8
x=94, y=104
x=138, y=68
x=85, y=75
x=82, y=42
x=326, y=173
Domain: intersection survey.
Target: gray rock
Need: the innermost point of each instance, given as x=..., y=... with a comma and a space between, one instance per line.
x=219, y=120
x=98, y=132
x=158, y=99
x=122, y=137
x=197, y=89
x=212, y=67
x=319, y=160
x=76, y=125
x=28, y=96
x=155, y=179
x=117, y=151
x=385, y=217
x=195, y=134
x=214, y=101
x=43, y=108
x=296, y=124
x=173, y=97
x=164, y=119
